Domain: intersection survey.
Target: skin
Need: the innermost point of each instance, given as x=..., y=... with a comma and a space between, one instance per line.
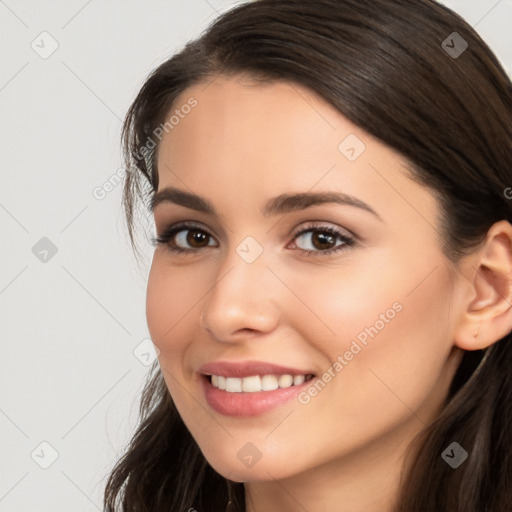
x=244, y=143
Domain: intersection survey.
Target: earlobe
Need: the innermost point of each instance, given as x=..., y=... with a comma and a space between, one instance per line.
x=488, y=315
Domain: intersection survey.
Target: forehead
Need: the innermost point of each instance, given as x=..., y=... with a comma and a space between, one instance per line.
x=243, y=97
x=262, y=139
x=236, y=118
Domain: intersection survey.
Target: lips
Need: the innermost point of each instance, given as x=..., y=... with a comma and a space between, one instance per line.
x=249, y=368
x=250, y=388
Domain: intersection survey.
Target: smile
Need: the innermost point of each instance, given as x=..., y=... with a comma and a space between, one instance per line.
x=240, y=404
x=257, y=383
x=250, y=388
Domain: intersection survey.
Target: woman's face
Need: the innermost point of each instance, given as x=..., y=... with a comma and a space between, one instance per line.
x=345, y=282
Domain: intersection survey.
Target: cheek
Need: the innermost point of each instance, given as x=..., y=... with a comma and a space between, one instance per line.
x=390, y=302
x=392, y=340
x=397, y=371
x=173, y=297
x=339, y=304
x=387, y=326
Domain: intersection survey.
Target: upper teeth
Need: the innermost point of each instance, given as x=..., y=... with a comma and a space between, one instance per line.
x=256, y=383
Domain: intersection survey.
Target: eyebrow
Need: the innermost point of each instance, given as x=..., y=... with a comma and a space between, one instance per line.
x=283, y=203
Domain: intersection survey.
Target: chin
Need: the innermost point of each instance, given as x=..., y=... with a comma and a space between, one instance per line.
x=247, y=464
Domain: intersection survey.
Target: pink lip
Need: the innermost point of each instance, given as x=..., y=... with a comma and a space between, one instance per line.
x=248, y=404
x=248, y=368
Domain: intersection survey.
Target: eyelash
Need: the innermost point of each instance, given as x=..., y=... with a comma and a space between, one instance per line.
x=168, y=234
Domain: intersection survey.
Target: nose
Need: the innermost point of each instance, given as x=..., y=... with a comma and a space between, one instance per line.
x=243, y=301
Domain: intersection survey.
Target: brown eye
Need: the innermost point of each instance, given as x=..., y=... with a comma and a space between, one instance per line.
x=196, y=238
x=322, y=240
x=191, y=238
x=183, y=239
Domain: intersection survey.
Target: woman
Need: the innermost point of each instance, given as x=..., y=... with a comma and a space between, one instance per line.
x=330, y=290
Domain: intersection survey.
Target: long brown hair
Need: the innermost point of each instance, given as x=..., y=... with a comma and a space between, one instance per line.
x=393, y=68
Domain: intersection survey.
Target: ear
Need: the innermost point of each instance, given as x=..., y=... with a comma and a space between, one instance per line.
x=487, y=315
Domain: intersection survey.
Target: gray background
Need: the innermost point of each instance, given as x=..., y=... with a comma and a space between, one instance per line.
x=75, y=350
